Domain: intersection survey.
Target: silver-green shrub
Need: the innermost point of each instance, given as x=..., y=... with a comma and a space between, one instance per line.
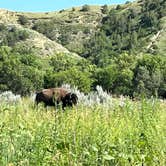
x=9, y=97
x=97, y=97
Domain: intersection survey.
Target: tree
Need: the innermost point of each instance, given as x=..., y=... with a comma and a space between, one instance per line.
x=2, y=27
x=72, y=76
x=23, y=20
x=104, y=9
x=119, y=43
x=118, y=7
x=149, y=74
x=106, y=77
x=127, y=2
x=62, y=62
x=73, y=9
x=133, y=40
x=17, y=75
x=85, y=8
x=123, y=83
x=142, y=82
x=68, y=70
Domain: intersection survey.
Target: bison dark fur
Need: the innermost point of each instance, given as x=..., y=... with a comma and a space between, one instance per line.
x=69, y=100
x=53, y=96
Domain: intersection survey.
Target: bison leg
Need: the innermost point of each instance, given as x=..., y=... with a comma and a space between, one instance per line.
x=63, y=107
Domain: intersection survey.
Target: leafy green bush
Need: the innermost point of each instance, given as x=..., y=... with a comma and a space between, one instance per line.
x=85, y=8
x=68, y=70
x=12, y=35
x=104, y=9
x=149, y=75
x=23, y=20
x=20, y=74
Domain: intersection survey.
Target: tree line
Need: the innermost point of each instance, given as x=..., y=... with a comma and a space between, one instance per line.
x=126, y=74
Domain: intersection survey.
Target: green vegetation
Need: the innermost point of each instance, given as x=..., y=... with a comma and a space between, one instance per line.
x=125, y=30
x=67, y=70
x=10, y=35
x=121, y=48
x=70, y=29
x=25, y=73
x=85, y=8
x=134, y=75
x=19, y=73
x=129, y=135
x=104, y=9
x=23, y=20
x=126, y=74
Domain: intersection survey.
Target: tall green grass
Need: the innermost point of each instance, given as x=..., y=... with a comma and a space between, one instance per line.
x=133, y=135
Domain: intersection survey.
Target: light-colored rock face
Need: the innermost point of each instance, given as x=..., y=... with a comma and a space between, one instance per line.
x=45, y=45
x=8, y=16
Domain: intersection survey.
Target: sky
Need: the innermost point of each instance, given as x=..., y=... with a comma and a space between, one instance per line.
x=50, y=5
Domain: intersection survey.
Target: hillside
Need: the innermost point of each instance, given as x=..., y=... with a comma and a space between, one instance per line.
x=34, y=40
x=160, y=42
x=135, y=28
x=50, y=30
x=121, y=48
x=71, y=29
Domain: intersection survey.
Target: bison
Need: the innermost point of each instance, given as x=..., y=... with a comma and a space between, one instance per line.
x=53, y=96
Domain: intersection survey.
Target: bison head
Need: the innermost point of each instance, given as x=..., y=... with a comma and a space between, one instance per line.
x=70, y=99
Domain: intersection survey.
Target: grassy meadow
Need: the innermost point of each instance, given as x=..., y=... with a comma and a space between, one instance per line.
x=131, y=134
x=102, y=51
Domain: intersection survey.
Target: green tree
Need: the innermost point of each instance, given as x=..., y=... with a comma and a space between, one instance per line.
x=85, y=8
x=104, y=9
x=61, y=62
x=72, y=76
x=133, y=40
x=118, y=7
x=149, y=74
x=23, y=20
x=67, y=69
x=17, y=75
x=119, y=43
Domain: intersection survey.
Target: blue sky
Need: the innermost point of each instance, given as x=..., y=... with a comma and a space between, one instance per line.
x=50, y=5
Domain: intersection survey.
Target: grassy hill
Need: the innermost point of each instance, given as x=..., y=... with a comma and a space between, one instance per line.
x=35, y=41
x=119, y=119
x=70, y=29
